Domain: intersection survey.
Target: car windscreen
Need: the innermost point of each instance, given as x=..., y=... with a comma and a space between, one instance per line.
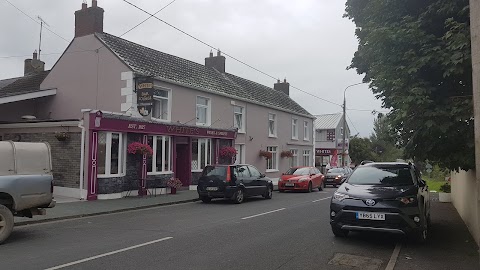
x=336, y=170
x=385, y=176
x=215, y=171
x=298, y=171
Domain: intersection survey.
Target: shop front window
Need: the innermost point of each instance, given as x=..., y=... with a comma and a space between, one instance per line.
x=160, y=161
x=201, y=153
x=111, y=154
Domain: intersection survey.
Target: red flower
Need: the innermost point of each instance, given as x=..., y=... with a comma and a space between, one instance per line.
x=265, y=154
x=138, y=148
x=228, y=152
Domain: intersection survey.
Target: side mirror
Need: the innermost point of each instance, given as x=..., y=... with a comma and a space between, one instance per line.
x=283, y=173
x=262, y=175
x=421, y=183
x=312, y=174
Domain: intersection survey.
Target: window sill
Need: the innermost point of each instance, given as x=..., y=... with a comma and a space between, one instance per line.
x=306, y=140
x=197, y=170
x=294, y=139
x=161, y=120
x=202, y=124
x=271, y=171
x=273, y=136
x=110, y=175
x=241, y=132
x=159, y=173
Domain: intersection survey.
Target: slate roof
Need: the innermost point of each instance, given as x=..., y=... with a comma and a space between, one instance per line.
x=147, y=61
x=22, y=85
x=327, y=121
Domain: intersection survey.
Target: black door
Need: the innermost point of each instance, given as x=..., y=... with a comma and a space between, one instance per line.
x=244, y=178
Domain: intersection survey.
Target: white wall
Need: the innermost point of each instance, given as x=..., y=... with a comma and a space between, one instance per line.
x=466, y=199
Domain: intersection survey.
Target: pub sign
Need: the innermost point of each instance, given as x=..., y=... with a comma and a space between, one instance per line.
x=144, y=87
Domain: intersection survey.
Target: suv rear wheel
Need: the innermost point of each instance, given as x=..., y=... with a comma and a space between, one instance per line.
x=205, y=199
x=239, y=196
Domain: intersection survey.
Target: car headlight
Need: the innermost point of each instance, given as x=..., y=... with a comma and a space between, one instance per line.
x=408, y=200
x=340, y=196
x=303, y=179
x=338, y=177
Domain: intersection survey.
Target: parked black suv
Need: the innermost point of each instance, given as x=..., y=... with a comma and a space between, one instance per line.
x=382, y=197
x=235, y=182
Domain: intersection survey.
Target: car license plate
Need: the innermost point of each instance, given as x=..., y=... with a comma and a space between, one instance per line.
x=289, y=184
x=212, y=188
x=370, y=216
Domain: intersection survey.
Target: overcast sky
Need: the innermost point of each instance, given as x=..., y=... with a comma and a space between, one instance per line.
x=306, y=41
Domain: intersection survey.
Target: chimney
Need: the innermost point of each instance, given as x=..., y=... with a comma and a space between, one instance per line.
x=33, y=66
x=89, y=20
x=216, y=62
x=282, y=86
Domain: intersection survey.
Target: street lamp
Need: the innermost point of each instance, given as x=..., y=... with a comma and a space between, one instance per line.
x=345, y=121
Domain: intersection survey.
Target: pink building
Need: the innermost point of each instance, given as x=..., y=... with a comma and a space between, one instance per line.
x=105, y=92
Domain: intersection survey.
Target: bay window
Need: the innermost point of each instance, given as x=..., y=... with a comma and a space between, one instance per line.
x=160, y=161
x=111, y=154
x=201, y=153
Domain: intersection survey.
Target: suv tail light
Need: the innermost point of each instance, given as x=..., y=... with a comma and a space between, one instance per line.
x=229, y=175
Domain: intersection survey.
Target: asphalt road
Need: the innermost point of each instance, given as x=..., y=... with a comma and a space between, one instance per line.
x=291, y=231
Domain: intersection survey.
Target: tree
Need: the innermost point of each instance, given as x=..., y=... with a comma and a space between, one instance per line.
x=416, y=56
x=361, y=149
x=383, y=140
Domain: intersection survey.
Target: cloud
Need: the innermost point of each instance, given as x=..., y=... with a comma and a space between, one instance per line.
x=306, y=41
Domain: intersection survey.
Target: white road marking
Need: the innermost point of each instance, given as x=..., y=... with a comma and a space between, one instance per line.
x=269, y=212
x=108, y=254
x=322, y=199
x=393, y=259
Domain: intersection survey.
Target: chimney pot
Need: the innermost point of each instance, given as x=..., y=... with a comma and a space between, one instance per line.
x=35, y=55
x=33, y=66
x=282, y=86
x=216, y=62
x=89, y=20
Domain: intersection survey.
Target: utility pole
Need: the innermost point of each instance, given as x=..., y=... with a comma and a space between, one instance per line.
x=345, y=121
x=344, y=128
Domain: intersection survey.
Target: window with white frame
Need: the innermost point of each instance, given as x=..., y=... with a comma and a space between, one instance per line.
x=239, y=118
x=306, y=131
x=160, y=161
x=272, y=163
x=240, y=159
x=203, y=111
x=294, y=159
x=306, y=158
x=294, y=129
x=201, y=153
x=161, y=104
x=272, y=125
x=111, y=154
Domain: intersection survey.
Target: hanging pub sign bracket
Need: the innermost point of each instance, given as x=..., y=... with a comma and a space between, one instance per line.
x=144, y=88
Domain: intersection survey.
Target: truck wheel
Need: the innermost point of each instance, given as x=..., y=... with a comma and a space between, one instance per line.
x=6, y=223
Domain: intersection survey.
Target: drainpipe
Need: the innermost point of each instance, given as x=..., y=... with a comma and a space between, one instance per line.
x=82, y=157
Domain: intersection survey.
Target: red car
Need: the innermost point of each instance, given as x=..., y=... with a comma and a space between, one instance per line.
x=301, y=178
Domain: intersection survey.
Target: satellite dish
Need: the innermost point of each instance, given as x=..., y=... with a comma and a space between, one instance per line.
x=29, y=117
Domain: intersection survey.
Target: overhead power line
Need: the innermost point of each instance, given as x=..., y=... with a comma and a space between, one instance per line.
x=348, y=117
x=31, y=18
x=226, y=54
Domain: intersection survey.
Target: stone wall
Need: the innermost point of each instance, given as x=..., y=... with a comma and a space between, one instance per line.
x=65, y=155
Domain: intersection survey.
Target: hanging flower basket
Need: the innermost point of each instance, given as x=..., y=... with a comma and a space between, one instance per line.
x=137, y=148
x=265, y=154
x=62, y=136
x=286, y=154
x=228, y=152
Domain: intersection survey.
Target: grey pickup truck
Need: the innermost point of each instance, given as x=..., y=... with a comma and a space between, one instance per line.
x=26, y=182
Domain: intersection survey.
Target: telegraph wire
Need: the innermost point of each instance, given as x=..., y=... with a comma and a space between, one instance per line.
x=226, y=54
x=31, y=18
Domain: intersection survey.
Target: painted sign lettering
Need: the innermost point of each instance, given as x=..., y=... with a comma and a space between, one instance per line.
x=144, y=87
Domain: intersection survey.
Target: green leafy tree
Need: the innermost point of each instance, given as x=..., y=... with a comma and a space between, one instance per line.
x=361, y=149
x=416, y=56
x=383, y=140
